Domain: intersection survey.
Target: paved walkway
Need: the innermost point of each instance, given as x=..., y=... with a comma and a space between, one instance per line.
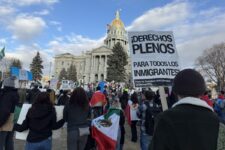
x=60, y=144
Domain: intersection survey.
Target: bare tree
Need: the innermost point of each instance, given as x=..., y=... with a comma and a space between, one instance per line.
x=212, y=63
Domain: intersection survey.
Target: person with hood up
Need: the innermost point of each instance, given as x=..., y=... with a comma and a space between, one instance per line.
x=191, y=123
x=40, y=120
x=9, y=98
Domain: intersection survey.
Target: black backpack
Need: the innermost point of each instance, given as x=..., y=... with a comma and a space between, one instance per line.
x=150, y=115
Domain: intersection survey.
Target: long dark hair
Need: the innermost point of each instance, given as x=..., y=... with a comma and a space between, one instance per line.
x=79, y=98
x=42, y=98
x=134, y=98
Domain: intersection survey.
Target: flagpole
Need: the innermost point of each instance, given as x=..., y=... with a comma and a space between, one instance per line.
x=2, y=71
x=2, y=58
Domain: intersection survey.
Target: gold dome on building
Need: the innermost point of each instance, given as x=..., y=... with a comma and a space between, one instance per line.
x=117, y=22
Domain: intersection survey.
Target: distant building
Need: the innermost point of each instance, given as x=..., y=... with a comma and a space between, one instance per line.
x=91, y=66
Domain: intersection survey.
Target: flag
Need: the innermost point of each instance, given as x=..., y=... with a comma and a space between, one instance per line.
x=2, y=53
x=127, y=114
x=105, y=129
x=98, y=98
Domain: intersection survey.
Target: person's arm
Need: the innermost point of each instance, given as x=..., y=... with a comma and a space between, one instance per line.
x=139, y=111
x=24, y=126
x=65, y=113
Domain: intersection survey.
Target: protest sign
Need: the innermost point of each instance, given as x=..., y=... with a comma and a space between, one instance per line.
x=22, y=116
x=53, y=84
x=154, y=58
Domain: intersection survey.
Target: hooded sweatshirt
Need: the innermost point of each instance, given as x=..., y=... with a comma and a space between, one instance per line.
x=40, y=120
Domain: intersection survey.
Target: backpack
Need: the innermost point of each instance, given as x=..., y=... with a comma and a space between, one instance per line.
x=150, y=115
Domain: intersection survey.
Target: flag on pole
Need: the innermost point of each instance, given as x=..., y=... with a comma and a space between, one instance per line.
x=2, y=53
x=105, y=129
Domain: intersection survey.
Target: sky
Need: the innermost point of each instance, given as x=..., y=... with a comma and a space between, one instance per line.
x=58, y=26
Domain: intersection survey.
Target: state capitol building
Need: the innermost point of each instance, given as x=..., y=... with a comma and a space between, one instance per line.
x=91, y=66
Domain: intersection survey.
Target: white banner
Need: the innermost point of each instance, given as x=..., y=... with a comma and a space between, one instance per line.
x=154, y=58
x=53, y=84
x=22, y=116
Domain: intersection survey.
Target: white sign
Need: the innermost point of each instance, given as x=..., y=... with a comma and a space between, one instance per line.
x=22, y=116
x=53, y=84
x=154, y=58
x=23, y=74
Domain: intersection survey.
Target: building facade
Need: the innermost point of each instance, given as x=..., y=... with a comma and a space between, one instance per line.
x=91, y=66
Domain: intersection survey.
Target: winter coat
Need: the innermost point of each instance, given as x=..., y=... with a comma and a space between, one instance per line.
x=190, y=125
x=9, y=98
x=63, y=100
x=75, y=116
x=40, y=120
x=32, y=95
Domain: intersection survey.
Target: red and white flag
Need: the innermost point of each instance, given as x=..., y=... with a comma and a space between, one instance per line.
x=105, y=130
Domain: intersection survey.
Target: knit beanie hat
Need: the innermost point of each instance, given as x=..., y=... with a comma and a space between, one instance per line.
x=9, y=82
x=189, y=82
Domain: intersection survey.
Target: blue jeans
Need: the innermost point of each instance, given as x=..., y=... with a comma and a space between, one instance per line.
x=43, y=145
x=145, y=140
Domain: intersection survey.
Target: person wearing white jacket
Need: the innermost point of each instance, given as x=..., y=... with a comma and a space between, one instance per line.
x=133, y=105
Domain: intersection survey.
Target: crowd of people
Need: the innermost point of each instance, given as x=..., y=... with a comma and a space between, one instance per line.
x=193, y=121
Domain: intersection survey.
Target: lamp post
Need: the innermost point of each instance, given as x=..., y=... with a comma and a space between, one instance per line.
x=50, y=68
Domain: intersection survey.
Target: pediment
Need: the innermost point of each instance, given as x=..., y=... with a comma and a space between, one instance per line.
x=102, y=49
x=64, y=55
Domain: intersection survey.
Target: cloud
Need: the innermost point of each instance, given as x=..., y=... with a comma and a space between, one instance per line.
x=30, y=2
x=42, y=12
x=29, y=51
x=57, y=25
x=3, y=41
x=74, y=44
x=26, y=27
x=161, y=17
x=6, y=10
x=194, y=29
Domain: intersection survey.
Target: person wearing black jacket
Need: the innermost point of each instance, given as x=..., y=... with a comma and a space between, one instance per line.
x=40, y=120
x=63, y=99
x=9, y=98
x=191, y=123
x=33, y=94
x=76, y=114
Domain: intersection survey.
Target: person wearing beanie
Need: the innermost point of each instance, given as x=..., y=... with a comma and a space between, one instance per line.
x=191, y=123
x=9, y=98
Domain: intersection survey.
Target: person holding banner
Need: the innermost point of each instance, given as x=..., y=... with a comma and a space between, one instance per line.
x=191, y=124
x=40, y=120
x=76, y=114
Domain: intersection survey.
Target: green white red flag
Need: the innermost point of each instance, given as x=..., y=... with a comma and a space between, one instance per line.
x=2, y=53
x=105, y=129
